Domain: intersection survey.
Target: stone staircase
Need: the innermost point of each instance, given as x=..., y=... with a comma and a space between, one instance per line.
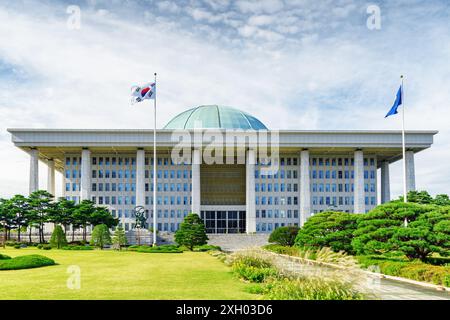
x=234, y=242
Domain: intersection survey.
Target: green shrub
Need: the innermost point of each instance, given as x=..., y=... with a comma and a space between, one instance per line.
x=10, y=243
x=382, y=230
x=26, y=262
x=119, y=239
x=284, y=236
x=291, y=251
x=167, y=248
x=100, y=236
x=17, y=246
x=252, y=273
x=46, y=247
x=207, y=247
x=77, y=248
x=58, y=239
x=310, y=289
x=415, y=270
x=328, y=229
x=4, y=257
x=192, y=232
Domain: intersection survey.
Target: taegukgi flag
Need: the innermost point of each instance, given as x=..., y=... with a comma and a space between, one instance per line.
x=139, y=93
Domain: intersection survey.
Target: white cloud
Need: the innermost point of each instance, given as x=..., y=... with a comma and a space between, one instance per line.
x=289, y=67
x=260, y=20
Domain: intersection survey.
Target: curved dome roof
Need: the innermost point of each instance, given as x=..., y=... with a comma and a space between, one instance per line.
x=215, y=117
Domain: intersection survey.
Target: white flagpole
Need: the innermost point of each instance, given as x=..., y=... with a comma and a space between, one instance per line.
x=155, y=229
x=405, y=195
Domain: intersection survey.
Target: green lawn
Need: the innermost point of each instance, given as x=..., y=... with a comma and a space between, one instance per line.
x=123, y=275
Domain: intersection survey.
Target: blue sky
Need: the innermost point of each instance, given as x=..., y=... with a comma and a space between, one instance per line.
x=299, y=64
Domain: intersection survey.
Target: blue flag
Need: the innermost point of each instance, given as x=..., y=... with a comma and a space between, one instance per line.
x=397, y=103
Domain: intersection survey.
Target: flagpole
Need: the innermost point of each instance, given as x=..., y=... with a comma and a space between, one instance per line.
x=155, y=229
x=405, y=195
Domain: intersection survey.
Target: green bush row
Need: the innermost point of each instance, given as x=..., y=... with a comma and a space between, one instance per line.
x=168, y=248
x=207, y=247
x=309, y=289
x=44, y=246
x=254, y=274
x=415, y=270
x=26, y=262
x=4, y=257
x=77, y=248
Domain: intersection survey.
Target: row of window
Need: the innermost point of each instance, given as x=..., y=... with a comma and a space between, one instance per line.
x=268, y=227
x=179, y=214
x=290, y=214
x=340, y=187
x=168, y=161
x=340, y=161
x=282, y=187
x=166, y=174
x=113, y=187
x=282, y=174
x=100, y=161
x=131, y=200
x=276, y=200
x=334, y=201
x=346, y=174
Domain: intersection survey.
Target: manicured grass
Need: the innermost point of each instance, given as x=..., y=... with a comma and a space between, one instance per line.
x=111, y=274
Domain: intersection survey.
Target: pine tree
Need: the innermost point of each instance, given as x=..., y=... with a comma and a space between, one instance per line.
x=192, y=232
x=100, y=236
x=119, y=238
x=58, y=239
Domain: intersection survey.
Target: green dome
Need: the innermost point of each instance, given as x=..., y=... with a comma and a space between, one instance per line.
x=215, y=117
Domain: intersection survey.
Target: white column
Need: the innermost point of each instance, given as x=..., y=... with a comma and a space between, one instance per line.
x=305, y=191
x=51, y=176
x=140, y=177
x=196, y=161
x=85, y=186
x=250, y=206
x=34, y=170
x=359, y=196
x=63, y=183
x=410, y=172
x=385, y=183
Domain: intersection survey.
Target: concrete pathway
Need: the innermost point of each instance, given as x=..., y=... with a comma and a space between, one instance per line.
x=380, y=288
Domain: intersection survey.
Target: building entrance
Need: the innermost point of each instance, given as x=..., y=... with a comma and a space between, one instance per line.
x=224, y=221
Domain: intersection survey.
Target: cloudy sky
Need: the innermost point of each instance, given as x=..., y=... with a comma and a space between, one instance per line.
x=295, y=64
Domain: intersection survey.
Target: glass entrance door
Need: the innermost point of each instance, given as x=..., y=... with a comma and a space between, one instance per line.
x=220, y=221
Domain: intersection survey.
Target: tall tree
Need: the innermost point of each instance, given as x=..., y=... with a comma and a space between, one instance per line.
x=20, y=208
x=82, y=215
x=101, y=215
x=6, y=218
x=63, y=215
x=100, y=236
x=119, y=238
x=41, y=204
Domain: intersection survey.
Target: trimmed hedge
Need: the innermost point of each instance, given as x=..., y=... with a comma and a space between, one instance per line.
x=167, y=248
x=4, y=257
x=415, y=270
x=26, y=262
x=284, y=236
x=207, y=247
x=77, y=248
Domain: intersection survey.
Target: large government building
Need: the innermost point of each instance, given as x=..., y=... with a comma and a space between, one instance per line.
x=225, y=165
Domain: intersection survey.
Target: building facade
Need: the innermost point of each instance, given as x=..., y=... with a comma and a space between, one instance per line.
x=238, y=175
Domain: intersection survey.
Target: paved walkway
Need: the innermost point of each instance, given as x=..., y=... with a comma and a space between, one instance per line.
x=380, y=288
